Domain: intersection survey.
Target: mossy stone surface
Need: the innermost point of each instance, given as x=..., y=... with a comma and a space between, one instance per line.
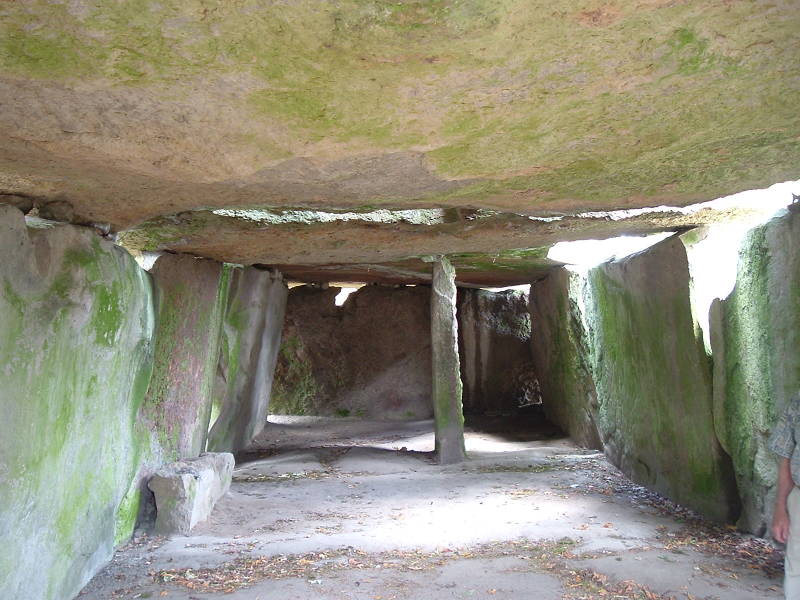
x=76, y=341
x=191, y=299
x=536, y=108
x=623, y=364
x=494, y=335
x=251, y=337
x=369, y=358
x=560, y=350
x=755, y=337
x=654, y=380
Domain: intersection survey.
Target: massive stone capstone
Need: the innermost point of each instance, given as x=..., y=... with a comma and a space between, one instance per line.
x=157, y=114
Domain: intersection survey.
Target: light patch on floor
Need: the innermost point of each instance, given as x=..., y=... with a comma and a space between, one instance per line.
x=340, y=508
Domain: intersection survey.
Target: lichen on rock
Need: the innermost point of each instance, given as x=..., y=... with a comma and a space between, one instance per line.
x=630, y=371
x=755, y=336
x=76, y=342
x=251, y=336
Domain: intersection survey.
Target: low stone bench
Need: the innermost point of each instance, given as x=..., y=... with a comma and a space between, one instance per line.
x=187, y=490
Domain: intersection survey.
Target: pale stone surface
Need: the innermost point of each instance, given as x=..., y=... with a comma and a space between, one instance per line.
x=251, y=336
x=560, y=356
x=620, y=351
x=76, y=342
x=447, y=386
x=187, y=490
x=491, y=524
x=494, y=330
x=755, y=336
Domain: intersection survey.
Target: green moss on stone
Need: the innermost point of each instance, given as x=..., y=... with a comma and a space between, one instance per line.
x=40, y=53
x=64, y=491
x=539, y=100
x=656, y=367
x=107, y=316
x=126, y=516
x=294, y=387
x=757, y=371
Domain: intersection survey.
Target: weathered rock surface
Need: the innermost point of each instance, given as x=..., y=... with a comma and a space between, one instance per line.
x=560, y=348
x=447, y=388
x=494, y=331
x=268, y=104
x=251, y=336
x=187, y=490
x=653, y=380
x=636, y=367
x=191, y=299
x=755, y=340
x=368, y=358
x=486, y=247
x=76, y=343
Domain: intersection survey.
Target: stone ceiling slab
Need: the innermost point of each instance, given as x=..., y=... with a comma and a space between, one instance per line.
x=125, y=112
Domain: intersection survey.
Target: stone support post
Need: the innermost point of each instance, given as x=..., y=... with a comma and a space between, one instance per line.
x=251, y=341
x=447, y=388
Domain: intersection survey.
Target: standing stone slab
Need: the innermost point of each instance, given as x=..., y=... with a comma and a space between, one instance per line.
x=653, y=380
x=494, y=337
x=447, y=387
x=250, y=342
x=619, y=353
x=755, y=337
x=187, y=490
x=191, y=296
x=559, y=342
x=76, y=343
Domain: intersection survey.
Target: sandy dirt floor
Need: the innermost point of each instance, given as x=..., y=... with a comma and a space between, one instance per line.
x=345, y=509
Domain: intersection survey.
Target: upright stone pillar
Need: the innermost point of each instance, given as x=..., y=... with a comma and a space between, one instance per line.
x=251, y=339
x=446, y=392
x=191, y=299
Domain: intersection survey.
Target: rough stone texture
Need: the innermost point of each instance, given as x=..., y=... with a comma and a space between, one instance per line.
x=653, y=380
x=76, y=343
x=126, y=112
x=494, y=330
x=487, y=248
x=447, y=387
x=191, y=296
x=251, y=338
x=186, y=491
x=368, y=358
x=560, y=350
x=253, y=104
x=755, y=340
x=617, y=348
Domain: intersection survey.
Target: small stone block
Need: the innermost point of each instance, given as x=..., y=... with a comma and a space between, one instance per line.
x=187, y=490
